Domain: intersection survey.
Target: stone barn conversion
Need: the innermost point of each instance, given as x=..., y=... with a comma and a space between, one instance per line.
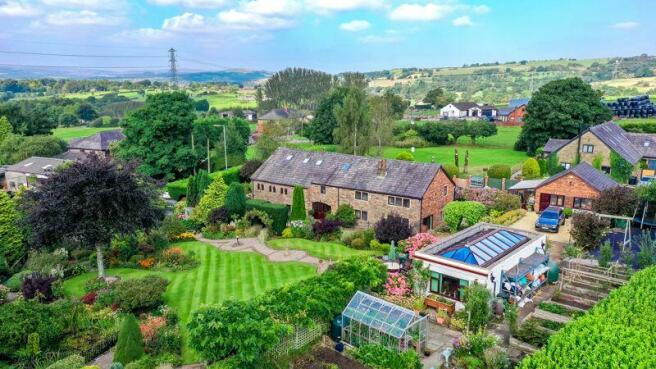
x=373, y=187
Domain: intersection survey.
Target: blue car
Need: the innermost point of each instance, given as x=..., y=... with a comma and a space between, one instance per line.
x=550, y=219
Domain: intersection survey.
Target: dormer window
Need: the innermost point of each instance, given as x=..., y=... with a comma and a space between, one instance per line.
x=319, y=162
x=28, y=164
x=306, y=160
x=289, y=157
x=646, y=144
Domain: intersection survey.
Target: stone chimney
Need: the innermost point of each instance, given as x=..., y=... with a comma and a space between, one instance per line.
x=382, y=167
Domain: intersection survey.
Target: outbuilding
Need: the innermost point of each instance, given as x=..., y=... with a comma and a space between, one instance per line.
x=480, y=254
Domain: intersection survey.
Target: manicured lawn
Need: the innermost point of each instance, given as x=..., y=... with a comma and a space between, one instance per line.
x=505, y=137
x=219, y=277
x=71, y=133
x=322, y=250
x=479, y=157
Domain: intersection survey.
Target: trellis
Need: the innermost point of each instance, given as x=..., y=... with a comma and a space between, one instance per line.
x=301, y=337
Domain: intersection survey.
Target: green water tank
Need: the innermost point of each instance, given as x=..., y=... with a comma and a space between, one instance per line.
x=336, y=328
x=554, y=272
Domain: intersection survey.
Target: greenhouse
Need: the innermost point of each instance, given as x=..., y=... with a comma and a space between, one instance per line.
x=371, y=320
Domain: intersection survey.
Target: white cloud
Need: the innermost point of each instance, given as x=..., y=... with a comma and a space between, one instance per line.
x=190, y=3
x=391, y=36
x=187, y=22
x=85, y=4
x=481, y=9
x=626, y=25
x=355, y=25
x=243, y=20
x=143, y=35
x=421, y=12
x=326, y=6
x=272, y=7
x=463, y=21
x=18, y=9
x=80, y=18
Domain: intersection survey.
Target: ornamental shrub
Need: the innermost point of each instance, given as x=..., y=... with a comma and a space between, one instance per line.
x=219, y=216
x=235, y=201
x=278, y=213
x=380, y=357
x=38, y=286
x=140, y=293
x=451, y=170
x=499, y=171
x=130, y=345
x=69, y=362
x=393, y=227
x=298, y=204
x=605, y=254
x=477, y=306
x=406, y=156
x=345, y=215
x=616, y=201
x=325, y=228
x=553, y=165
x=531, y=169
x=588, y=230
x=247, y=170
x=12, y=246
x=457, y=211
x=213, y=198
x=504, y=201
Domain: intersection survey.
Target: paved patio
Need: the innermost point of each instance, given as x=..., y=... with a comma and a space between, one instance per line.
x=439, y=339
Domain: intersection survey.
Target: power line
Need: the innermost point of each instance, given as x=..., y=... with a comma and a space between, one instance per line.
x=82, y=67
x=78, y=55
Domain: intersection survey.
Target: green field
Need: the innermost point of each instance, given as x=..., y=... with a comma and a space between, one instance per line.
x=227, y=100
x=637, y=120
x=70, y=133
x=322, y=250
x=219, y=277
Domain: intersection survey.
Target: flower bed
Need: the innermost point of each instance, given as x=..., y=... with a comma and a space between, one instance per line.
x=440, y=303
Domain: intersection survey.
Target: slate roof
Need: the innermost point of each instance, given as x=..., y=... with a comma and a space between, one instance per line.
x=505, y=111
x=295, y=167
x=465, y=105
x=527, y=184
x=615, y=137
x=645, y=143
x=588, y=174
x=36, y=165
x=554, y=144
x=513, y=103
x=100, y=141
x=280, y=114
x=72, y=155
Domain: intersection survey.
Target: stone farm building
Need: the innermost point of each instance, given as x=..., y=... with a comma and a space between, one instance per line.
x=600, y=140
x=373, y=187
x=98, y=144
x=574, y=188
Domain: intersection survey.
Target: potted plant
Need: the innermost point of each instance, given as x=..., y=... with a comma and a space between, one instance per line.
x=418, y=305
x=442, y=317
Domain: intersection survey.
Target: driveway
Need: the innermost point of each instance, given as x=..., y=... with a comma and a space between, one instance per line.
x=527, y=223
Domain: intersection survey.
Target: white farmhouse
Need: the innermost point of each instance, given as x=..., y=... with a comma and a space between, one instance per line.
x=461, y=110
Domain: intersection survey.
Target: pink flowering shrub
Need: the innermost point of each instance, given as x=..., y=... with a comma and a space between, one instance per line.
x=418, y=241
x=151, y=325
x=397, y=284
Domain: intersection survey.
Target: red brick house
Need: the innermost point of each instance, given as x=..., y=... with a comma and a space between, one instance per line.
x=512, y=116
x=373, y=187
x=574, y=188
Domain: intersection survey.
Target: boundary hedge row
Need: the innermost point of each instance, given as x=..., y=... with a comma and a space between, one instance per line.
x=178, y=189
x=619, y=332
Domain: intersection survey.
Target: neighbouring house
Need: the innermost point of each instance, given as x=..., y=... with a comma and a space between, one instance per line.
x=598, y=141
x=274, y=115
x=227, y=114
x=373, y=187
x=515, y=103
x=526, y=191
x=495, y=256
x=489, y=111
x=512, y=116
x=461, y=110
x=574, y=188
x=250, y=115
x=98, y=144
x=30, y=171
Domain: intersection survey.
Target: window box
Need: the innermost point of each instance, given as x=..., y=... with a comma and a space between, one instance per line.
x=440, y=303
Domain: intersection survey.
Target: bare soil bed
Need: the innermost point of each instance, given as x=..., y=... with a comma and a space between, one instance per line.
x=320, y=356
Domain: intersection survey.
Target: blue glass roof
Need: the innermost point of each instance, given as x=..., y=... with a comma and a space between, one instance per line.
x=482, y=250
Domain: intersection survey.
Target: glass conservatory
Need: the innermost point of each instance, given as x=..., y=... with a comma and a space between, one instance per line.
x=371, y=320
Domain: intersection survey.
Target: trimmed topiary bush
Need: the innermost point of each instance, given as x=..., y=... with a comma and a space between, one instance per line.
x=277, y=212
x=405, y=155
x=139, y=294
x=451, y=170
x=499, y=171
x=69, y=362
x=213, y=198
x=298, y=204
x=130, y=345
x=531, y=169
x=392, y=228
x=235, y=201
x=457, y=211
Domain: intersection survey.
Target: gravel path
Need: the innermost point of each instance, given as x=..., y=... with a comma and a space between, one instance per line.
x=278, y=256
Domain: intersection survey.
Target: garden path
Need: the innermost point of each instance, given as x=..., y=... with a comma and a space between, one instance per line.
x=278, y=256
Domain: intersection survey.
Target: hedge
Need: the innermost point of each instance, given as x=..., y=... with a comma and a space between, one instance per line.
x=619, y=332
x=277, y=212
x=178, y=189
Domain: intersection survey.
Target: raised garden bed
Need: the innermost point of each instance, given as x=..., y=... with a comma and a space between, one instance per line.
x=322, y=357
x=560, y=309
x=440, y=303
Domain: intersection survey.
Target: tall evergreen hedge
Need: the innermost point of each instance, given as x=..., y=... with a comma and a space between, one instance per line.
x=178, y=189
x=277, y=212
x=130, y=345
x=298, y=204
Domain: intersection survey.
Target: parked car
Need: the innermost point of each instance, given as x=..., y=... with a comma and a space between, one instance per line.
x=551, y=219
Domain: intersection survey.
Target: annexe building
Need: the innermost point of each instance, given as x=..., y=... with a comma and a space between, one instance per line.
x=30, y=172
x=373, y=187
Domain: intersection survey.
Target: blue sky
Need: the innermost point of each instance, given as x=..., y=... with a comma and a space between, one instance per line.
x=331, y=35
